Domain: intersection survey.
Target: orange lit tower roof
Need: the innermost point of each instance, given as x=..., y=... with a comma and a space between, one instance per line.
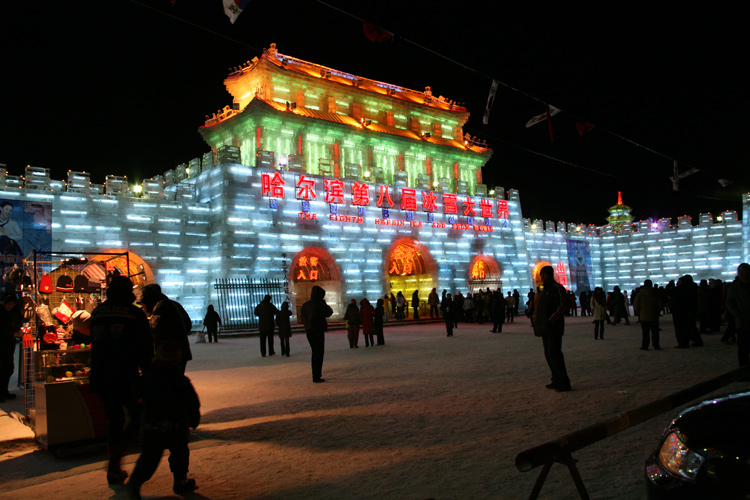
x=315, y=91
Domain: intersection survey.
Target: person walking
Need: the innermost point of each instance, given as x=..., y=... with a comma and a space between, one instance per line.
x=121, y=349
x=378, y=322
x=367, y=313
x=684, y=312
x=434, y=302
x=647, y=307
x=314, y=313
x=738, y=305
x=170, y=409
x=599, y=312
x=168, y=320
x=212, y=322
x=266, y=312
x=285, y=328
x=550, y=324
x=400, y=305
x=446, y=308
x=510, y=303
x=353, y=320
x=11, y=320
x=619, y=306
x=498, y=311
x=468, y=308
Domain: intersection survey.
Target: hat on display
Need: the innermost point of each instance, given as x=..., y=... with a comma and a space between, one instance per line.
x=64, y=284
x=45, y=284
x=94, y=286
x=81, y=284
x=82, y=322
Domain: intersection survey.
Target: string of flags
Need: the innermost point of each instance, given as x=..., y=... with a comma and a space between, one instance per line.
x=374, y=33
x=233, y=8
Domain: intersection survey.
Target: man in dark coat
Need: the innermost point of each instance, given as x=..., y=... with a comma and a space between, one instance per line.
x=550, y=325
x=498, y=311
x=738, y=305
x=314, y=313
x=121, y=346
x=447, y=309
x=684, y=313
x=266, y=312
x=168, y=320
x=415, y=303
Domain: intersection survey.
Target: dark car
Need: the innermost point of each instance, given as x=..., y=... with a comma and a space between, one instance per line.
x=704, y=453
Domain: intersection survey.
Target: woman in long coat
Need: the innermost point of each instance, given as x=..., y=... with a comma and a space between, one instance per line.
x=378, y=322
x=285, y=328
x=367, y=312
x=599, y=312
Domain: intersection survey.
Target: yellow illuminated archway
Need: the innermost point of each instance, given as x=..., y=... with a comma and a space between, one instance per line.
x=408, y=267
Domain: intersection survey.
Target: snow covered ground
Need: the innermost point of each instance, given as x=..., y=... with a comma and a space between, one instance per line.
x=425, y=416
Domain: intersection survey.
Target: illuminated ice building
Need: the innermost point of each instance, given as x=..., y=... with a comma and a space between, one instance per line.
x=317, y=176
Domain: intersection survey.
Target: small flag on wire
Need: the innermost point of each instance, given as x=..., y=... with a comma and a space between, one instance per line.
x=233, y=8
x=584, y=127
x=490, y=102
x=677, y=176
x=549, y=125
x=550, y=111
x=374, y=33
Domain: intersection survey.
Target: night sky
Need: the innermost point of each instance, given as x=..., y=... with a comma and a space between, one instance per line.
x=121, y=87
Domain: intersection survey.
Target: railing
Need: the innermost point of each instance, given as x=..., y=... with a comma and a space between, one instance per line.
x=560, y=449
x=238, y=298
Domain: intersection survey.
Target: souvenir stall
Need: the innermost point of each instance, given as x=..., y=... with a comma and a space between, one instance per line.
x=65, y=288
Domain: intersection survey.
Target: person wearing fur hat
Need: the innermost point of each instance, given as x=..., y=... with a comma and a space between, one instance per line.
x=314, y=313
x=121, y=348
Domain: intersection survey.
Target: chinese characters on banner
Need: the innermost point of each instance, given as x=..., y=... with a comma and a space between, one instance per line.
x=285, y=270
x=337, y=192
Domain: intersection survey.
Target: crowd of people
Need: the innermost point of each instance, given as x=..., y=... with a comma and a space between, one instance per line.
x=140, y=350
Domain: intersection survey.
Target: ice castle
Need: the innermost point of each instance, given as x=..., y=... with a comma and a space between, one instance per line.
x=317, y=176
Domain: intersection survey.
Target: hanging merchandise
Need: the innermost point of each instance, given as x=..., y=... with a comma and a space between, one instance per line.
x=94, y=272
x=45, y=284
x=28, y=308
x=63, y=312
x=64, y=284
x=42, y=310
x=81, y=284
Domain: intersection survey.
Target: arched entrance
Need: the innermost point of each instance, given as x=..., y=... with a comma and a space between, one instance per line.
x=133, y=266
x=484, y=273
x=409, y=266
x=310, y=267
x=537, y=280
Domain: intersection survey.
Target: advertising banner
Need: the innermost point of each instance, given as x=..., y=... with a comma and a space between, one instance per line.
x=579, y=264
x=24, y=226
